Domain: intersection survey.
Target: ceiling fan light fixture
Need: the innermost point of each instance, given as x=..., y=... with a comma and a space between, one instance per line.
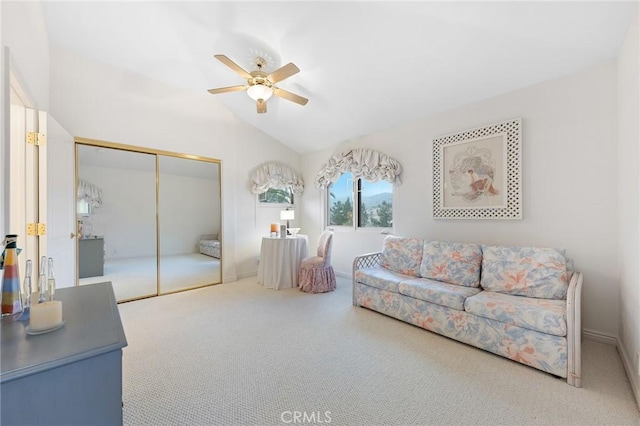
x=259, y=91
x=260, y=85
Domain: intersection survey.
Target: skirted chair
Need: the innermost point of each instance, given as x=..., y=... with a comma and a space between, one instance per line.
x=316, y=274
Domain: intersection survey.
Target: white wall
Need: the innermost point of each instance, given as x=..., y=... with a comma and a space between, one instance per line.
x=629, y=201
x=96, y=101
x=127, y=217
x=569, y=182
x=189, y=208
x=23, y=32
x=4, y=141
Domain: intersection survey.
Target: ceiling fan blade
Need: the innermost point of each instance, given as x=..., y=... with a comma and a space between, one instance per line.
x=290, y=96
x=261, y=105
x=283, y=72
x=237, y=68
x=227, y=89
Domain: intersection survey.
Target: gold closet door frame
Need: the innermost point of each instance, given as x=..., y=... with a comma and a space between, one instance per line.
x=157, y=153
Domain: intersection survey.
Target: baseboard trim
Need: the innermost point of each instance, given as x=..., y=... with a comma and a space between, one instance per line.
x=246, y=275
x=343, y=274
x=630, y=370
x=597, y=336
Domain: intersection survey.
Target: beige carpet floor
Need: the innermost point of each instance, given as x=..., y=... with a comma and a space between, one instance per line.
x=137, y=277
x=239, y=354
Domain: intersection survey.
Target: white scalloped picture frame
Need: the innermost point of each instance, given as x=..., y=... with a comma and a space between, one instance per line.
x=477, y=173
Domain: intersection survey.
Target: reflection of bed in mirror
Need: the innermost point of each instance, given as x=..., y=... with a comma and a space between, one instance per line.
x=210, y=245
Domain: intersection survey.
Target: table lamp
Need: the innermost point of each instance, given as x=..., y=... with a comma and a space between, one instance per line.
x=287, y=215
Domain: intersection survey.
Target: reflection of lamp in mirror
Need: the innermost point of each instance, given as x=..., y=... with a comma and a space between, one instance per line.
x=287, y=215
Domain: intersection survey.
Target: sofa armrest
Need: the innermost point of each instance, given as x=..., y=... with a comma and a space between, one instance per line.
x=574, y=331
x=366, y=260
x=360, y=262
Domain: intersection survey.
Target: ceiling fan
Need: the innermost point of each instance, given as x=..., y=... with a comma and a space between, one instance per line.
x=260, y=85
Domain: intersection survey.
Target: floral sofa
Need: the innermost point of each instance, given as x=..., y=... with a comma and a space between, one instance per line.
x=522, y=303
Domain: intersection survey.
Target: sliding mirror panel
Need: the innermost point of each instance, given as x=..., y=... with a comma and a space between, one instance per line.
x=116, y=217
x=190, y=223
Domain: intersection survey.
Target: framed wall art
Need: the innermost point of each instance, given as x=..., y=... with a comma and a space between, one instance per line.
x=477, y=173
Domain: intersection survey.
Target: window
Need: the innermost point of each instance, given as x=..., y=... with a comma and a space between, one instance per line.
x=276, y=196
x=375, y=204
x=340, y=201
x=84, y=208
x=366, y=204
x=276, y=185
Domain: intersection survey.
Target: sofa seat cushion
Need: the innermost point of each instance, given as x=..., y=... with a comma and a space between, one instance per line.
x=525, y=271
x=382, y=278
x=402, y=255
x=543, y=315
x=443, y=294
x=453, y=263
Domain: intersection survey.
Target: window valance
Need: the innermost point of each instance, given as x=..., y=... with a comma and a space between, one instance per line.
x=363, y=163
x=278, y=176
x=89, y=193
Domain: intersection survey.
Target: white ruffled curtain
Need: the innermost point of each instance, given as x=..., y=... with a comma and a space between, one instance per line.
x=89, y=193
x=362, y=163
x=278, y=176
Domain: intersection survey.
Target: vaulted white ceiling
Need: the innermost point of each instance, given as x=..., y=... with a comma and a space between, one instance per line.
x=365, y=66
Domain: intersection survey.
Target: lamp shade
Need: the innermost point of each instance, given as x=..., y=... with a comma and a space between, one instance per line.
x=287, y=215
x=259, y=91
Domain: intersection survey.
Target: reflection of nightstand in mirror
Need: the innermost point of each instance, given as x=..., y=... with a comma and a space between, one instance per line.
x=91, y=257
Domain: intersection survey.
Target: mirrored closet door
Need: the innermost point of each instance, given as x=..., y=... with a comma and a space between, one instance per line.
x=116, y=213
x=189, y=207
x=148, y=221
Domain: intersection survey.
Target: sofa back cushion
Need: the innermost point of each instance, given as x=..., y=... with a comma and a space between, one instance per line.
x=402, y=255
x=525, y=271
x=453, y=263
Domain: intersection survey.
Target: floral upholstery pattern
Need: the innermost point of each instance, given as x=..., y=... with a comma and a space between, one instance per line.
x=525, y=271
x=454, y=263
x=402, y=255
x=518, y=311
x=570, y=267
x=381, y=278
x=210, y=245
x=443, y=294
x=317, y=280
x=315, y=274
x=544, y=315
x=543, y=351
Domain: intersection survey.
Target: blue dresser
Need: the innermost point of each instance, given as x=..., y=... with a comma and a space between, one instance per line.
x=71, y=376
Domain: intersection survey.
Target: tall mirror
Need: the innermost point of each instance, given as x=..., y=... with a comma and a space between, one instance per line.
x=190, y=223
x=116, y=214
x=148, y=221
